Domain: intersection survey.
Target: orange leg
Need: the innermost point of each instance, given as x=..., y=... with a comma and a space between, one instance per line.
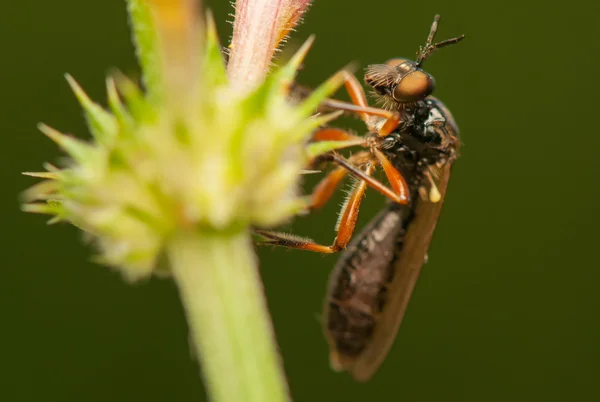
x=393, y=175
x=340, y=138
x=400, y=194
x=347, y=222
x=360, y=106
x=324, y=190
x=326, y=187
x=356, y=92
x=334, y=134
x=346, y=226
x=390, y=125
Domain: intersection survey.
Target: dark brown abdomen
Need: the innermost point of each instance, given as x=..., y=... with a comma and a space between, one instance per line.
x=359, y=281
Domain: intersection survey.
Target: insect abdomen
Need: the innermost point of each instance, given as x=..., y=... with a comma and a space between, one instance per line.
x=358, y=285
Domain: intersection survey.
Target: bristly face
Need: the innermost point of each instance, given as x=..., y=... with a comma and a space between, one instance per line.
x=401, y=80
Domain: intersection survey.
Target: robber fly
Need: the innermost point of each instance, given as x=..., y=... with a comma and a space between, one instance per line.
x=414, y=138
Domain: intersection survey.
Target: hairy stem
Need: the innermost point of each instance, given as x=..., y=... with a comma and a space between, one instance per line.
x=229, y=322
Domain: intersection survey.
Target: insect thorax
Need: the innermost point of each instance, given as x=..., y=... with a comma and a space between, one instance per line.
x=426, y=137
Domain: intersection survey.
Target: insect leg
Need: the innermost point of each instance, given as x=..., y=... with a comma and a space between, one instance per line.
x=361, y=107
x=290, y=241
x=340, y=138
x=347, y=221
x=393, y=175
x=346, y=225
x=335, y=134
x=394, y=117
x=323, y=191
x=356, y=92
x=400, y=192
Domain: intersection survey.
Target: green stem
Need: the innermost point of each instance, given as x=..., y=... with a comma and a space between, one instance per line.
x=222, y=293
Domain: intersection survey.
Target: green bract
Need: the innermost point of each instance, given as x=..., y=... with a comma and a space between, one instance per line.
x=227, y=161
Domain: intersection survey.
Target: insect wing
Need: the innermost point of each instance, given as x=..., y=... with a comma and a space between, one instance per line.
x=406, y=272
x=356, y=284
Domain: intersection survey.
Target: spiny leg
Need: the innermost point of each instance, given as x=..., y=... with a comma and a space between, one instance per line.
x=360, y=106
x=324, y=190
x=336, y=134
x=346, y=225
x=356, y=92
x=347, y=222
x=344, y=138
x=400, y=194
x=367, y=110
x=339, y=138
x=395, y=178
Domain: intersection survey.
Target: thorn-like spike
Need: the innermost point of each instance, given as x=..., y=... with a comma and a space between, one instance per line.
x=214, y=71
x=300, y=55
x=40, y=191
x=39, y=208
x=111, y=90
x=51, y=168
x=318, y=148
x=313, y=123
x=323, y=91
x=54, y=220
x=80, y=94
x=280, y=81
x=124, y=84
x=102, y=124
x=116, y=105
x=54, y=134
x=211, y=28
x=286, y=74
x=41, y=175
x=134, y=99
x=78, y=150
x=321, y=120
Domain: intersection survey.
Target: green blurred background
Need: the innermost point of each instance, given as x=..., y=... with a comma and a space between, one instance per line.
x=506, y=309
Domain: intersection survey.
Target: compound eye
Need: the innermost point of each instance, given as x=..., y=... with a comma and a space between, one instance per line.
x=414, y=87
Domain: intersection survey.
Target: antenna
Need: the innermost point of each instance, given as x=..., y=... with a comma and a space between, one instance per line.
x=430, y=47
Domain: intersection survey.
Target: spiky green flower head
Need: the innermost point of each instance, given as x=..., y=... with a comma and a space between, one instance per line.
x=198, y=155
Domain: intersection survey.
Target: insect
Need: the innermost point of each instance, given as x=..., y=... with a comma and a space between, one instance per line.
x=414, y=138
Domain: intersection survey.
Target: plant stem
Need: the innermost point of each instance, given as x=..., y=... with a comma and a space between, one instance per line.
x=230, y=326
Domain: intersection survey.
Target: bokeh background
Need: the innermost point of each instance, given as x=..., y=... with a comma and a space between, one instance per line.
x=507, y=307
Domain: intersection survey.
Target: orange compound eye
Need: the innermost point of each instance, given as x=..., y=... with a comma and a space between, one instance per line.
x=414, y=87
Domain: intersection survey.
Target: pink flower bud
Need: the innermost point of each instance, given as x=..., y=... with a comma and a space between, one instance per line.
x=259, y=28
